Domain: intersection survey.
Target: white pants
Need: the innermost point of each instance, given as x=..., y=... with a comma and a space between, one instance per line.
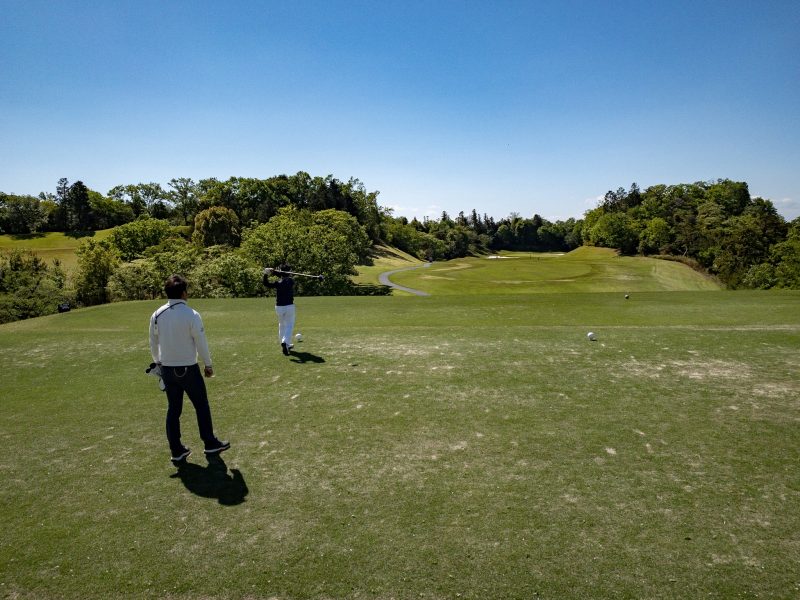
x=285, y=323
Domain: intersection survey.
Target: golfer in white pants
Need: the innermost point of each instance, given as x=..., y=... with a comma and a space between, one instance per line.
x=284, y=305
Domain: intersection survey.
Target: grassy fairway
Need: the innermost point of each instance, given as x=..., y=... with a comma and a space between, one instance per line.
x=442, y=447
x=582, y=270
x=51, y=246
x=384, y=259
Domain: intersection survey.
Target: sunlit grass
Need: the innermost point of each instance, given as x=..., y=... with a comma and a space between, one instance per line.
x=51, y=246
x=441, y=447
x=583, y=270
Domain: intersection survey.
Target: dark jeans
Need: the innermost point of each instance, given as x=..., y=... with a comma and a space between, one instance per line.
x=178, y=380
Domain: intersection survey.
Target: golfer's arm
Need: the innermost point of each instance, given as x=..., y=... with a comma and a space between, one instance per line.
x=154, y=342
x=199, y=335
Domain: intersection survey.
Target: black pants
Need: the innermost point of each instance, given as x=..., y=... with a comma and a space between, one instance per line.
x=178, y=380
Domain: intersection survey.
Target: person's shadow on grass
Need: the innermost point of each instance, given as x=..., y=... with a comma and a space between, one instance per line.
x=305, y=357
x=213, y=481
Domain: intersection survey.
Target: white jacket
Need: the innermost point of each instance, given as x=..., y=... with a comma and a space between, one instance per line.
x=177, y=335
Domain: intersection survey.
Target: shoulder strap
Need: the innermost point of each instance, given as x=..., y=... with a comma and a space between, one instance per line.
x=161, y=312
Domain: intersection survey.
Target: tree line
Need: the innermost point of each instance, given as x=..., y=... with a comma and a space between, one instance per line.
x=714, y=226
x=221, y=233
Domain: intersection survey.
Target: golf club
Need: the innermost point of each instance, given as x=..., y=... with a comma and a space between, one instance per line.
x=279, y=272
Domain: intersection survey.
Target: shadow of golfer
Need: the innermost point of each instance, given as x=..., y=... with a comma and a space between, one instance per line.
x=213, y=481
x=305, y=357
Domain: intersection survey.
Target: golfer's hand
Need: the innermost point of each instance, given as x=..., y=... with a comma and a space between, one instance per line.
x=268, y=271
x=209, y=371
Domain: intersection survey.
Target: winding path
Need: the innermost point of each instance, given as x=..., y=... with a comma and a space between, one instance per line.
x=384, y=279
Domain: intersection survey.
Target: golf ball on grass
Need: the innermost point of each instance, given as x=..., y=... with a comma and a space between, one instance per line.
x=591, y=336
x=298, y=337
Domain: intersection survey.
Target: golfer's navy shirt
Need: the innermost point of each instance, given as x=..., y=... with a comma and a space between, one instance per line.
x=284, y=288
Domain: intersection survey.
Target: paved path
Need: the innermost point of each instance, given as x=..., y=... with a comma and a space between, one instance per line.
x=384, y=279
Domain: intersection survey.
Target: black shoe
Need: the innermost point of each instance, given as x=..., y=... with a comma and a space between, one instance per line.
x=180, y=456
x=285, y=348
x=218, y=447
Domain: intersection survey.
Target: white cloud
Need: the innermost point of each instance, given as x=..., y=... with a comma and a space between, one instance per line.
x=789, y=208
x=431, y=211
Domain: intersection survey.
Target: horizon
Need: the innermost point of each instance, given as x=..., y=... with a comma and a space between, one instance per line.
x=517, y=107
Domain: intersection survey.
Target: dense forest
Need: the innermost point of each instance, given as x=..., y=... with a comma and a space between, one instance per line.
x=220, y=233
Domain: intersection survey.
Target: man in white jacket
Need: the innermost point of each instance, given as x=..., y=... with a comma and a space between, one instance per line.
x=177, y=336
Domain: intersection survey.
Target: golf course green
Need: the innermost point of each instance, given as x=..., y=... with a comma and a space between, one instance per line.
x=473, y=443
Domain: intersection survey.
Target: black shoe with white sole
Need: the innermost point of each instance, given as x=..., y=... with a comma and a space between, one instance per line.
x=285, y=348
x=179, y=457
x=218, y=447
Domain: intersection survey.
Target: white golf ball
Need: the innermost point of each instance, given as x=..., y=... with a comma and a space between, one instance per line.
x=591, y=336
x=298, y=337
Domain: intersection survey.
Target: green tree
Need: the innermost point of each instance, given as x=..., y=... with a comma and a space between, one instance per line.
x=786, y=258
x=310, y=242
x=108, y=212
x=746, y=241
x=782, y=269
x=97, y=261
x=614, y=230
x=130, y=195
x=22, y=214
x=226, y=273
x=173, y=255
x=136, y=280
x=365, y=207
x=79, y=212
x=216, y=225
x=144, y=198
x=349, y=227
x=132, y=239
x=655, y=236
x=29, y=287
x=184, y=196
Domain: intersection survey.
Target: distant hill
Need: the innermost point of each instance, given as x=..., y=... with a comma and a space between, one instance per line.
x=51, y=245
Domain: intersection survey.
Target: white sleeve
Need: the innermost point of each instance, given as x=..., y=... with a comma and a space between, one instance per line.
x=199, y=335
x=154, y=351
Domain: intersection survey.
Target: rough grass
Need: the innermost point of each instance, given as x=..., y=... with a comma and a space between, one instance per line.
x=442, y=447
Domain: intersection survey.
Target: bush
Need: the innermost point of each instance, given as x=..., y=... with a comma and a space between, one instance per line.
x=136, y=280
x=97, y=262
x=228, y=275
x=216, y=225
x=132, y=239
x=29, y=287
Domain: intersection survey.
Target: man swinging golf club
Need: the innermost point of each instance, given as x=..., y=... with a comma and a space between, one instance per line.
x=177, y=336
x=284, y=303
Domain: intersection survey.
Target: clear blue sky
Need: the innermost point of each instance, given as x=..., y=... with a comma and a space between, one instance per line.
x=501, y=106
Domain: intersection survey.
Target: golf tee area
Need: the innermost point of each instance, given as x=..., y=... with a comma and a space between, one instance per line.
x=472, y=443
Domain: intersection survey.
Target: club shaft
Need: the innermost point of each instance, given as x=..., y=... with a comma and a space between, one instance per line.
x=277, y=272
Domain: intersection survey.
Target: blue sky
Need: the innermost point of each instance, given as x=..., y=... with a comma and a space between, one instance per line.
x=501, y=106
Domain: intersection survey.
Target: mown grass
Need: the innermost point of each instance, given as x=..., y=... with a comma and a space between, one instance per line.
x=582, y=270
x=384, y=258
x=51, y=246
x=446, y=447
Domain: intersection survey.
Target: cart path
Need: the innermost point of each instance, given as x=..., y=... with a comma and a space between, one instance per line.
x=384, y=279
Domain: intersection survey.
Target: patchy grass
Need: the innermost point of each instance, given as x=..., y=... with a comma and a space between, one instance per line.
x=445, y=447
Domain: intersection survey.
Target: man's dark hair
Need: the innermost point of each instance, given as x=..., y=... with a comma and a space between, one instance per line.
x=174, y=287
x=285, y=267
